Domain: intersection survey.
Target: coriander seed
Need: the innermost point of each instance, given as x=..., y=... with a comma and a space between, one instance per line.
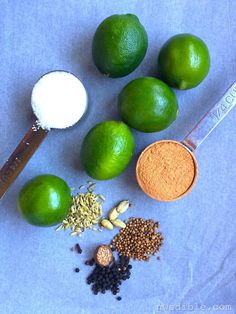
x=139, y=239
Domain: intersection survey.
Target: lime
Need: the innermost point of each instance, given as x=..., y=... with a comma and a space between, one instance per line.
x=147, y=104
x=184, y=61
x=45, y=200
x=107, y=150
x=119, y=45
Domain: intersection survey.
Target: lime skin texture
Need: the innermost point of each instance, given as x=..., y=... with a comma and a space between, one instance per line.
x=107, y=150
x=119, y=45
x=45, y=200
x=184, y=61
x=148, y=105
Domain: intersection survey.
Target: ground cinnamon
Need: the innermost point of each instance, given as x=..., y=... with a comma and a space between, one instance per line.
x=166, y=170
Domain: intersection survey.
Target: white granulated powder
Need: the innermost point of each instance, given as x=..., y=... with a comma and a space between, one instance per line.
x=59, y=100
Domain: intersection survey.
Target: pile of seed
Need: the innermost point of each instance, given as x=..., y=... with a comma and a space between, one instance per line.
x=114, y=214
x=109, y=278
x=139, y=239
x=85, y=211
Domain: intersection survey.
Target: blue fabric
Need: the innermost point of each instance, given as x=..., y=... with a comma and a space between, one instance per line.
x=198, y=260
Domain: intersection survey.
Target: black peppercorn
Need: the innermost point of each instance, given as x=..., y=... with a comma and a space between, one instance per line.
x=110, y=277
x=91, y=262
x=78, y=248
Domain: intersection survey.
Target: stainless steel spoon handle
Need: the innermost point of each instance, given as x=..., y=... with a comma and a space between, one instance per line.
x=211, y=119
x=21, y=155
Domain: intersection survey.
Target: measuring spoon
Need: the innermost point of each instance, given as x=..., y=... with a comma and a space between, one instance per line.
x=178, y=175
x=37, y=133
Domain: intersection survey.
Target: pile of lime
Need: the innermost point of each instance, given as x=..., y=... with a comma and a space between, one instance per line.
x=147, y=104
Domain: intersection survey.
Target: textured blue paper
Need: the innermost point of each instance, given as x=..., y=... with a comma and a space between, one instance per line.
x=198, y=260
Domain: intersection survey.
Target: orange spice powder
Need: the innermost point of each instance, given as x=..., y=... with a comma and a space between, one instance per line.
x=166, y=170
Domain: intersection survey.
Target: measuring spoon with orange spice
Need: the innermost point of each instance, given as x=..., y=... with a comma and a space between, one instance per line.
x=167, y=170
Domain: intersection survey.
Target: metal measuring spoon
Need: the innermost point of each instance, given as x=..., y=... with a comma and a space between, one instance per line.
x=35, y=135
x=191, y=142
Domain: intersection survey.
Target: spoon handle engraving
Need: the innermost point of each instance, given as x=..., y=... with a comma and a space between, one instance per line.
x=211, y=119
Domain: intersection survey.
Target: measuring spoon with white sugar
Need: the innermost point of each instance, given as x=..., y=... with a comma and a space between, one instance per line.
x=59, y=100
x=171, y=168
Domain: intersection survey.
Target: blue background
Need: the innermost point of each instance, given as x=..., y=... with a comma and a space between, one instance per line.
x=198, y=260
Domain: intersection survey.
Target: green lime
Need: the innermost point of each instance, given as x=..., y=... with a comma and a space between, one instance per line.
x=107, y=150
x=147, y=104
x=184, y=61
x=45, y=200
x=119, y=45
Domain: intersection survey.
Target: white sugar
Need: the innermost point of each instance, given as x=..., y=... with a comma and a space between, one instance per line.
x=59, y=100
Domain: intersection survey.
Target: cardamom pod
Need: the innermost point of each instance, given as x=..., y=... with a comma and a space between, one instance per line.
x=118, y=223
x=106, y=224
x=113, y=214
x=123, y=206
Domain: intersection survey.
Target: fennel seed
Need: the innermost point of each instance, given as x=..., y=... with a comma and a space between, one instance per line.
x=84, y=213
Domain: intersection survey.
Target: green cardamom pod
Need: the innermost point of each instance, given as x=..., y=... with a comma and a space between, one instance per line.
x=113, y=214
x=118, y=223
x=106, y=224
x=123, y=206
